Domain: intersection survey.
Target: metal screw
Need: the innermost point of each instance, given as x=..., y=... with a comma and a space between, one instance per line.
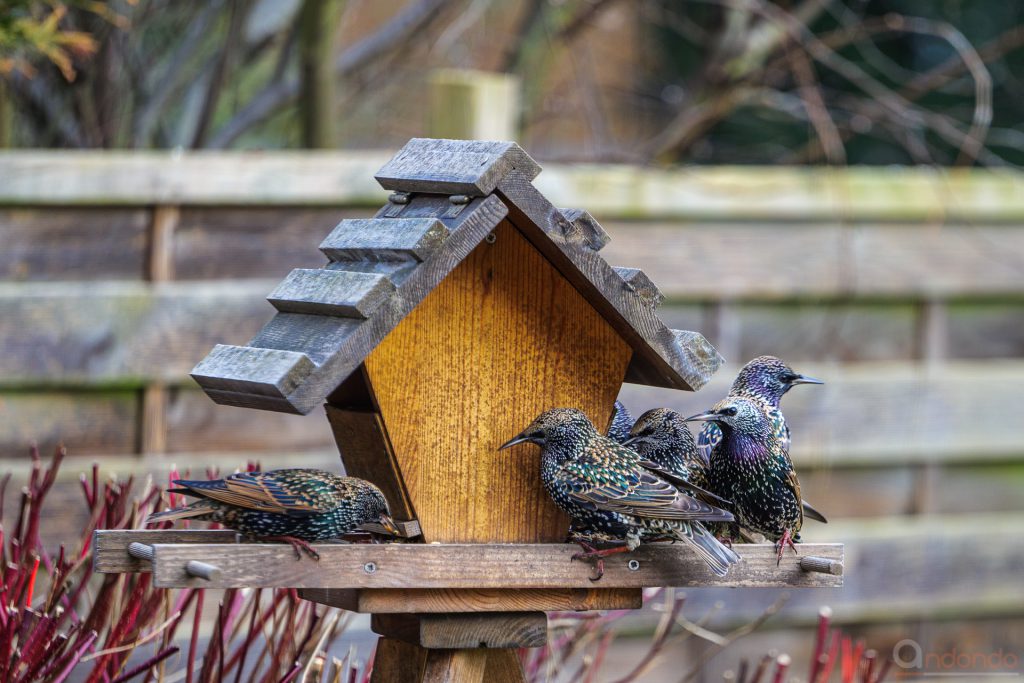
x=491, y=238
x=399, y=198
x=633, y=565
x=370, y=567
x=459, y=199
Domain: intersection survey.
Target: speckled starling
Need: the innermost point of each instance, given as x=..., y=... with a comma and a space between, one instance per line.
x=622, y=422
x=611, y=496
x=297, y=506
x=764, y=380
x=662, y=436
x=750, y=466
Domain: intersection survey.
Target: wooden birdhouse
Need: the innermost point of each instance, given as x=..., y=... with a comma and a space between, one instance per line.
x=436, y=330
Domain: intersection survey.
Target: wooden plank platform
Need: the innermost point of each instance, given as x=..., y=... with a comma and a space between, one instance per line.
x=470, y=566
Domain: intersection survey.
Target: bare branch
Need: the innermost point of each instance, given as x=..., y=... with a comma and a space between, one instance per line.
x=281, y=92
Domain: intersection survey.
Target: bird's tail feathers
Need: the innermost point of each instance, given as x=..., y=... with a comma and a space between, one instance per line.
x=717, y=556
x=197, y=509
x=811, y=513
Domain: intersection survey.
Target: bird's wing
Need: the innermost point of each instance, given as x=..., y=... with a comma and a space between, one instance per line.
x=794, y=485
x=709, y=438
x=682, y=482
x=633, y=491
x=261, y=491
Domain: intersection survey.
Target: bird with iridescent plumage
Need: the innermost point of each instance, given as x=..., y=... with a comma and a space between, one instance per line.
x=612, y=495
x=764, y=380
x=750, y=466
x=296, y=506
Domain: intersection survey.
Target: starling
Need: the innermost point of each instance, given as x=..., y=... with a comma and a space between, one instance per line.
x=663, y=437
x=621, y=423
x=764, y=380
x=750, y=466
x=297, y=506
x=611, y=496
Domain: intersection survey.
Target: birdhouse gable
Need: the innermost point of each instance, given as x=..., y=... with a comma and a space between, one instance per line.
x=450, y=196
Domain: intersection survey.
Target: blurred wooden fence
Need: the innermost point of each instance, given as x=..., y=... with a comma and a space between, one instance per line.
x=904, y=289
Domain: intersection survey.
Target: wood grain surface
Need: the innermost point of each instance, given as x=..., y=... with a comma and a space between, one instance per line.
x=501, y=339
x=477, y=566
x=435, y=600
x=488, y=630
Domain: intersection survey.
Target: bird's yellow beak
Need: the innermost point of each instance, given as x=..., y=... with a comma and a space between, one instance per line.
x=389, y=525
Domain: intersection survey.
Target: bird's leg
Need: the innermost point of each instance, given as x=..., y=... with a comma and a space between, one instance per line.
x=297, y=544
x=590, y=553
x=780, y=545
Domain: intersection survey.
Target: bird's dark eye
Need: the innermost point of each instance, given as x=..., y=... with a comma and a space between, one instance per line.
x=538, y=434
x=787, y=377
x=727, y=411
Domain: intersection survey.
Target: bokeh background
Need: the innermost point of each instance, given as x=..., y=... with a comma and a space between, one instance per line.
x=832, y=181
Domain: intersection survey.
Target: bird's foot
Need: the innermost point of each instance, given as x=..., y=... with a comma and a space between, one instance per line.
x=298, y=545
x=780, y=545
x=592, y=554
x=725, y=540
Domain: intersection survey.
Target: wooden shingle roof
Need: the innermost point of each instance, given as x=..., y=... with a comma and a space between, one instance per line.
x=448, y=197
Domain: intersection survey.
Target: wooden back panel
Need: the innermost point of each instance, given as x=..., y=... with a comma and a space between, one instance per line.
x=501, y=339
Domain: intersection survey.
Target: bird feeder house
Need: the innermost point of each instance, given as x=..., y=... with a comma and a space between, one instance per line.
x=436, y=330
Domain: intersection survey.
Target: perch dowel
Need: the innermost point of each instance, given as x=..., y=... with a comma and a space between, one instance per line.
x=196, y=568
x=142, y=551
x=822, y=565
x=202, y=570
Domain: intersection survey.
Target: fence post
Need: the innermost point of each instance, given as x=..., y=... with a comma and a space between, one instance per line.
x=474, y=105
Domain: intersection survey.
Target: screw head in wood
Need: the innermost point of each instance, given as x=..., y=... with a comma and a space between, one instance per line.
x=491, y=238
x=633, y=565
x=370, y=567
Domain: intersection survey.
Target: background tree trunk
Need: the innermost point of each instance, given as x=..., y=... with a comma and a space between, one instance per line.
x=318, y=22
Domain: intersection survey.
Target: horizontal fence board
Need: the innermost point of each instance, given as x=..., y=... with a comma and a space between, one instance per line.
x=89, y=422
x=102, y=423
x=740, y=261
x=937, y=567
x=79, y=243
x=820, y=331
x=128, y=335
x=214, y=243
x=605, y=190
x=980, y=330
x=69, y=177
x=121, y=333
x=195, y=423
x=134, y=333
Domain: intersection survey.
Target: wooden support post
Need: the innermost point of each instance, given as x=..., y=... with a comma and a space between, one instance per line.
x=474, y=105
x=454, y=666
x=160, y=268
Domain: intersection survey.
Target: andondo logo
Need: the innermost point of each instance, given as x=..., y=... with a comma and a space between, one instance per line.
x=914, y=660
